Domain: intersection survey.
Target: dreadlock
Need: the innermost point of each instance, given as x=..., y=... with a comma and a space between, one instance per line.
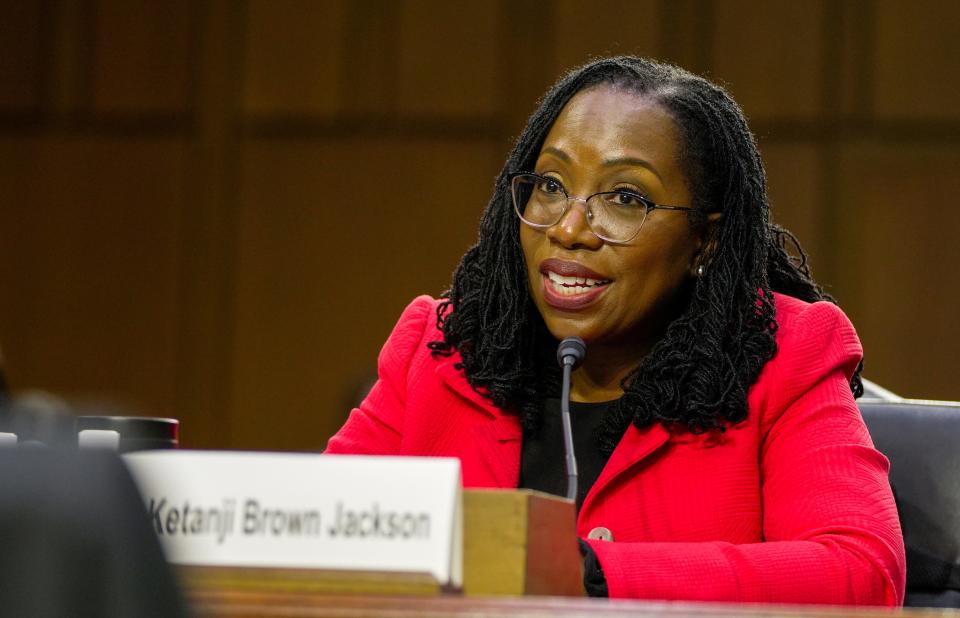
x=697, y=376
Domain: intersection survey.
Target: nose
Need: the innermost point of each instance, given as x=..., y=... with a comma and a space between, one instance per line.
x=573, y=231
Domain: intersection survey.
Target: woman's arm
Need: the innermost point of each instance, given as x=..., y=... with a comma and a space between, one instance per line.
x=829, y=519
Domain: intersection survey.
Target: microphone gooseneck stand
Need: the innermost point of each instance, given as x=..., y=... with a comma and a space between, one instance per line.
x=570, y=354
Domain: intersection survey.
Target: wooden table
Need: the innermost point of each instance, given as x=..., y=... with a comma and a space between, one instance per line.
x=305, y=605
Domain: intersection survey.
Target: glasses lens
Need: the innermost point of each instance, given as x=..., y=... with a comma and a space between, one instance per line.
x=540, y=202
x=616, y=216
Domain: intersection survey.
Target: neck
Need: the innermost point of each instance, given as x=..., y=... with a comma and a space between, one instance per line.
x=601, y=374
x=608, y=363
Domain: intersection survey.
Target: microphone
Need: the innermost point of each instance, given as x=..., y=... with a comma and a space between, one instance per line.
x=570, y=354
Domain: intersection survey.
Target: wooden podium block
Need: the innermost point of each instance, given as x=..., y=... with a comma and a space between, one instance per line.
x=519, y=542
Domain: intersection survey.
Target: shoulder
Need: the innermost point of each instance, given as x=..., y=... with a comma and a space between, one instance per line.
x=416, y=327
x=808, y=331
x=815, y=342
x=793, y=313
x=419, y=316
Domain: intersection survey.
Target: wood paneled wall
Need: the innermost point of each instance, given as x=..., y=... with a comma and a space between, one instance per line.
x=216, y=210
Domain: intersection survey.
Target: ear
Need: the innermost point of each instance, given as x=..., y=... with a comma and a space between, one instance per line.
x=708, y=244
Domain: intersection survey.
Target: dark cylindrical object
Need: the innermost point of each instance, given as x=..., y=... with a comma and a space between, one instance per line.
x=137, y=433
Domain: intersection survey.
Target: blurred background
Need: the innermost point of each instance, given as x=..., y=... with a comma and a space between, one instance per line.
x=216, y=210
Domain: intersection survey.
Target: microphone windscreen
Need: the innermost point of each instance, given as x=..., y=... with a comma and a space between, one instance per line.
x=573, y=348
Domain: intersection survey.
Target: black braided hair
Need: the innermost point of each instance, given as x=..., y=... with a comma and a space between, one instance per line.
x=697, y=376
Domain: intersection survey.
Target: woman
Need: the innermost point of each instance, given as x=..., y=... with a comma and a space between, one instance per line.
x=719, y=442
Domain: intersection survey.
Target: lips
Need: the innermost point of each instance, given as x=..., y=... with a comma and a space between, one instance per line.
x=569, y=269
x=569, y=285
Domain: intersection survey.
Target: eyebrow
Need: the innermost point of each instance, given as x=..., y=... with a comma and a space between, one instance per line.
x=631, y=161
x=606, y=162
x=557, y=153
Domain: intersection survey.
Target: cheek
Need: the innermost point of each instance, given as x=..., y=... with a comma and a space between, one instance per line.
x=659, y=267
x=528, y=245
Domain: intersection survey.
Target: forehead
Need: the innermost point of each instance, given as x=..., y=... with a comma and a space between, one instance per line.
x=611, y=122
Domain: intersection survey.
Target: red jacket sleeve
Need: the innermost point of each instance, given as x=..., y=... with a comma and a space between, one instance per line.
x=376, y=427
x=830, y=525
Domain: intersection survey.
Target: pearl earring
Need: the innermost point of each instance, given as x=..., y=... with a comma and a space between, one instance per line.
x=700, y=271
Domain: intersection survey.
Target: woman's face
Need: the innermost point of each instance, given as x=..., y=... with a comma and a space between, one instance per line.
x=607, y=139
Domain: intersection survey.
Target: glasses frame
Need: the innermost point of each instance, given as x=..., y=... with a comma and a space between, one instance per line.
x=648, y=203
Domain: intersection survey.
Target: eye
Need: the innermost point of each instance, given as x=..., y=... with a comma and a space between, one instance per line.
x=549, y=186
x=625, y=198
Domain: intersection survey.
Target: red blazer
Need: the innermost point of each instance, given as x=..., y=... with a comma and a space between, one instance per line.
x=792, y=505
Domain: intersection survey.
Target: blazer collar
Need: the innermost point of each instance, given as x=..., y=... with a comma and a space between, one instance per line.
x=635, y=446
x=499, y=437
x=456, y=381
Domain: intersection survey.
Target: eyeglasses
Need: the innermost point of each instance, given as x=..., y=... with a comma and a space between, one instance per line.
x=614, y=216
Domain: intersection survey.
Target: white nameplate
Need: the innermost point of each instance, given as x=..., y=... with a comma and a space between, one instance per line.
x=305, y=511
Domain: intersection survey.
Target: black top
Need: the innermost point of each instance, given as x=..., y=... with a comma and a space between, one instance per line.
x=542, y=465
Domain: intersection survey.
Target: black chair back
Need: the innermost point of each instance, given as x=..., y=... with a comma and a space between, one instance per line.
x=922, y=441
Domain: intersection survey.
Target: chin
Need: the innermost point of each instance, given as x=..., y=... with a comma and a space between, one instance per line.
x=562, y=328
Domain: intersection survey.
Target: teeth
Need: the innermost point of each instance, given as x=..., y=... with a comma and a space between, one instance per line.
x=568, y=286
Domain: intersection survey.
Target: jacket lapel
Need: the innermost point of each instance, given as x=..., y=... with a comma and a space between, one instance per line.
x=455, y=380
x=503, y=435
x=500, y=433
x=634, y=446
